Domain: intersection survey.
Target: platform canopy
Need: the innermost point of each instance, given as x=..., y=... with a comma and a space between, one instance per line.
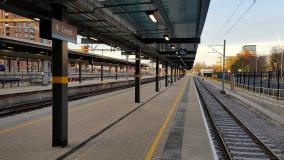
x=168, y=29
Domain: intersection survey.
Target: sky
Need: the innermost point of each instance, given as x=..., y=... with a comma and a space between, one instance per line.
x=263, y=25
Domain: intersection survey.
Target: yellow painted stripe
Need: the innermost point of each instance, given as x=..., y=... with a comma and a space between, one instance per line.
x=165, y=124
x=63, y=80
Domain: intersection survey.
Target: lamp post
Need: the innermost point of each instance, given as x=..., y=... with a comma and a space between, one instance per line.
x=223, y=65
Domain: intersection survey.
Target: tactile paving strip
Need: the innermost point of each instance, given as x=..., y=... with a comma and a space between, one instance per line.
x=173, y=146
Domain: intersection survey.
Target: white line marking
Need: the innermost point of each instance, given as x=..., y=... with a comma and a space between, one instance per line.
x=214, y=152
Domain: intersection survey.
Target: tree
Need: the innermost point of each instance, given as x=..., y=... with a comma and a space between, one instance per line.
x=275, y=58
x=197, y=67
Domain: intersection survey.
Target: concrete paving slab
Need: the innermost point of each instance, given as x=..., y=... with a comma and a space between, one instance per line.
x=32, y=138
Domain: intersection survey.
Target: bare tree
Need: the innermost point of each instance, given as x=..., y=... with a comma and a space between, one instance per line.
x=275, y=58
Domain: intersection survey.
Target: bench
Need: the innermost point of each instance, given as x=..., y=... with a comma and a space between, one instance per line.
x=9, y=80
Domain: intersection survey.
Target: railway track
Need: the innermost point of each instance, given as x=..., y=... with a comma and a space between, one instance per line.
x=41, y=103
x=232, y=138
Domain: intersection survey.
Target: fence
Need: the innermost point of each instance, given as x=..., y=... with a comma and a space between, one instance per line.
x=263, y=83
x=35, y=78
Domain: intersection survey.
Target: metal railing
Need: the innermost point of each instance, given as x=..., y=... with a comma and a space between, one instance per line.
x=262, y=83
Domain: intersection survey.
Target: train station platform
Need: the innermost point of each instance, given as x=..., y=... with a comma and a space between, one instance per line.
x=12, y=90
x=166, y=125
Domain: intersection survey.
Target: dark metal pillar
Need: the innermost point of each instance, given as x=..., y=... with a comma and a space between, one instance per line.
x=80, y=72
x=171, y=74
x=137, y=75
x=166, y=78
x=254, y=76
x=27, y=65
x=248, y=80
x=278, y=84
x=157, y=75
x=38, y=66
x=102, y=72
x=9, y=65
x=115, y=72
x=244, y=79
x=260, y=82
x=269, y=79
x=175, y=72
x=18, y=65
x=60, y=84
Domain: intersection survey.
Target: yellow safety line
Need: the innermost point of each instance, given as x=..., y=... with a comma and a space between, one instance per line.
x=165, y=124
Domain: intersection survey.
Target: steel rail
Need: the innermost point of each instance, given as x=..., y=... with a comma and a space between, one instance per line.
x=265, y=148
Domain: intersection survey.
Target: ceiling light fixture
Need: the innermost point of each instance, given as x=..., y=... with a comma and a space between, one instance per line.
x=93, y=38
x=151, y=15
x=173, y=46
x=36, y=19
x=166, y=37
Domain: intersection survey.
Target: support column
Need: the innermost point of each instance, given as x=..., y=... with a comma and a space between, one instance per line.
x=166, y=78
x=137, y=75
x=80, y=72
x=18, y=65
x=60, y=84
x=171, y=74
x=27, y=65
x=102, y=72
x=9, y=65
x=157, y=75
x=116, y=73
x=175, y=72
x=46, y=76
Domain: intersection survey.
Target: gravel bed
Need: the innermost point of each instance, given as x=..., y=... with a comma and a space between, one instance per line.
x=255, y=121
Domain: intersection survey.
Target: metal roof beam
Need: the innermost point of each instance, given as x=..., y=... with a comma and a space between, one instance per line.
x=158, y=4
x=175, y=52
x=171, y=40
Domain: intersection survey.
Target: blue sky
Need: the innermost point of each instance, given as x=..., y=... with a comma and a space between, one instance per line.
x=262, y=25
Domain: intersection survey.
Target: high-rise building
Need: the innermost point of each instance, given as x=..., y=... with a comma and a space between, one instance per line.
x=250, y=48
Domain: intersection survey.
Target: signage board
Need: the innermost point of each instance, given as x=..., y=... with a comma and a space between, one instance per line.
x=182, y=51
x=63, y=31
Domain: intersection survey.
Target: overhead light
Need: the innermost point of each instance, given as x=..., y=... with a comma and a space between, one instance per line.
x=176, y=52
x=10, y=47
x=151, y=15
x=41, y=52
x=93, y=38
x=36, y=19
x=166, y=37
x=173, y=46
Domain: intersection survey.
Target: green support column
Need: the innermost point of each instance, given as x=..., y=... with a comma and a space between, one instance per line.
x=60, y=84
